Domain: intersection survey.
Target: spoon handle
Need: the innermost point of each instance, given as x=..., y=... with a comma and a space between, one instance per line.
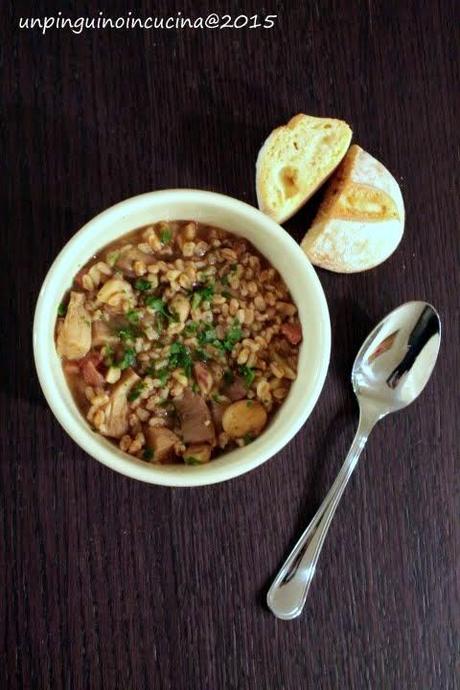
x=288, y=593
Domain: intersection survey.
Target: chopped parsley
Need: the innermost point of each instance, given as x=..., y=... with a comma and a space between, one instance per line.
x=190, y=460
x=248, y=438
x=180, y=358
x=233, y=335
x=207, y=334
x=191, y=327
x=127, y=334
x=202, y=294
x=142, y=284
x=160, y=323
x=128, y=359
x=224, y=280
x=148, y=454
x=250, y=403
x=157, y=304
x=62, y=309
x=200, y=355
x=160, y=374
x=135, y=391
x=165, y=235
x=133, y=316
x=112, y=258
x=248, y=374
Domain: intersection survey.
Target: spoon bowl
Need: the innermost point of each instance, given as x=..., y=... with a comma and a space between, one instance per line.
x=397, y=358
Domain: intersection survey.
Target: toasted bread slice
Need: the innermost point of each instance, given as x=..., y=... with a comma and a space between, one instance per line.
x=361, y=219
x=295, y=160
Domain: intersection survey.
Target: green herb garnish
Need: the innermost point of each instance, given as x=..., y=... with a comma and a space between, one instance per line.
x=196, y=299
x=112, y=258
x=133, y=317
x=200, y=355
x=180, y=358
x=62, y=309
x=202, y=294
x=148, y=454
x=142, y=284
x=191, y=327
x=135, y=391
x=248, y=438
x=165, y=236
x=160, y=323
x=233, y=335
x=128, y=359
x=249, y=375
x=157, y=304
x=160, y=374
x=190, y=460
x=127, y=334
x=207, y=334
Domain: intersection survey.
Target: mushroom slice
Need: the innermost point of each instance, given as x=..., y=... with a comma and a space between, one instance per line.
x=237, y=389
x=103, y=334
x=115, y=291
x=129, y=256
x=162, y=441
x=116, y=409
x=74, y=336
x=195, y=418
x=244, y=417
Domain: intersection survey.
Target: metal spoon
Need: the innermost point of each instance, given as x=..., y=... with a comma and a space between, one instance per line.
x=389, y=372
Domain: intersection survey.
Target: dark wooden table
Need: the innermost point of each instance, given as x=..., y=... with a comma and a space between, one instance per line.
x=109, y=583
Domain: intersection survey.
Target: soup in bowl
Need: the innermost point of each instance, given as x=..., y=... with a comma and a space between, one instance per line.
x=191, y=336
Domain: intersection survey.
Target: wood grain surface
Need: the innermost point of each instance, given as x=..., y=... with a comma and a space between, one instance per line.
x=108, y=583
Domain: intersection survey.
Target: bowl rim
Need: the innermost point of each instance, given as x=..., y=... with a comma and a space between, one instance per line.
x=104, y=451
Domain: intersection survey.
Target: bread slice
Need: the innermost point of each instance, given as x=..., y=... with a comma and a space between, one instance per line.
x=361, y=219
x=295, y=160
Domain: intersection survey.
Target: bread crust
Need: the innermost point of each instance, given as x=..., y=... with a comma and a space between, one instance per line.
x=361, y=219
x=295, y=160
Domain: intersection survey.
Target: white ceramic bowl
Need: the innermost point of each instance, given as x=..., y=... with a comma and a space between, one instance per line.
x=273, y=242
